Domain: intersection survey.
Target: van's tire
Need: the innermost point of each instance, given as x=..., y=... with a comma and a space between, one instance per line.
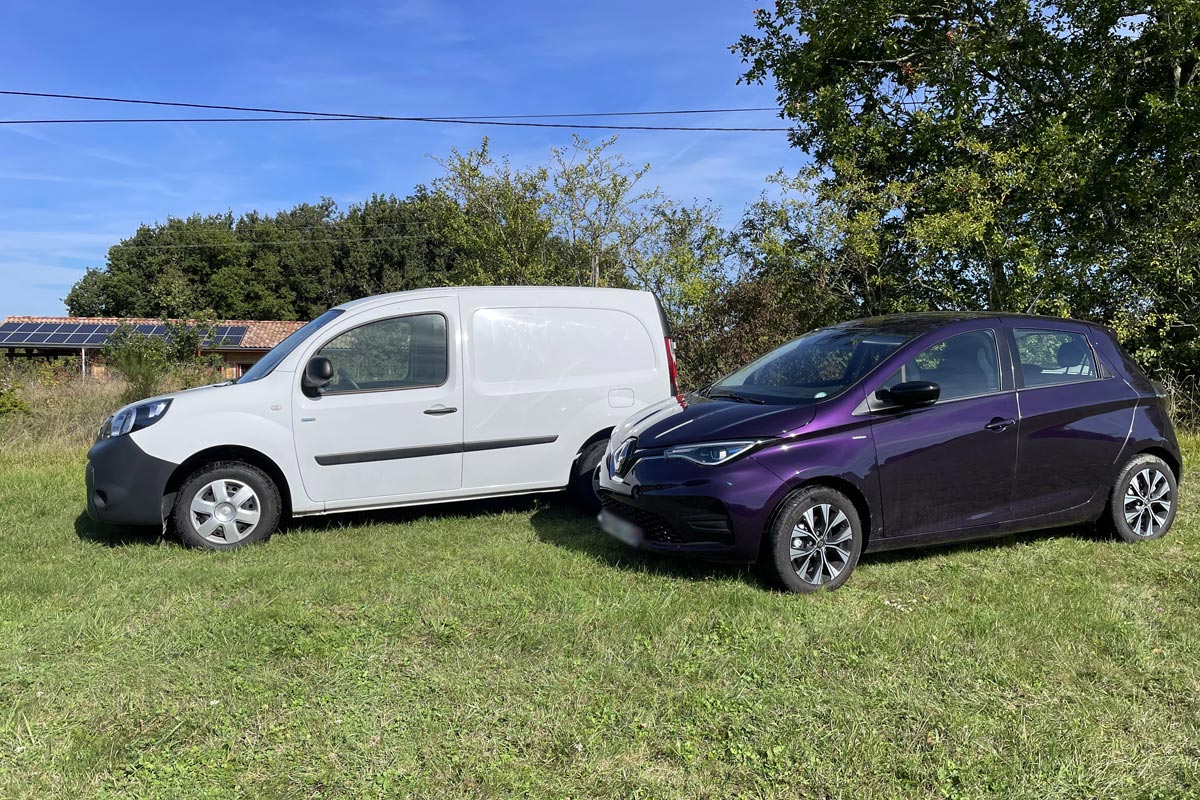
x=1144, y=500
x=823, y=523
x=226, y=504
x=583, y=477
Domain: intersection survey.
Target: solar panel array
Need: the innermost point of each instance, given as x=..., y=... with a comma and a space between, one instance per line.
x=76, y=335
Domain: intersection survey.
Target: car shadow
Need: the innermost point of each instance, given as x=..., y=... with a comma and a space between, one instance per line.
x=517, y=504
x=921, y=552
x=559, y=522
x=88, y=530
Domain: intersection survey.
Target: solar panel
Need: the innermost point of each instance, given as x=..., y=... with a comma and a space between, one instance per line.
x=75, y=334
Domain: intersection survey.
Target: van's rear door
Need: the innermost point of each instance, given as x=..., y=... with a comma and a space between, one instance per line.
x=389, y=426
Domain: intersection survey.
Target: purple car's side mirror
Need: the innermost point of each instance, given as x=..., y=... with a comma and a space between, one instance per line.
x=911, y=393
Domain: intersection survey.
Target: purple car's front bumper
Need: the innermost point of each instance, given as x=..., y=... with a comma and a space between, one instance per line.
x=680, y=507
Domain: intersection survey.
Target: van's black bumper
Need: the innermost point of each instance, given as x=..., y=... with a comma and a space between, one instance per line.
x=125, y=486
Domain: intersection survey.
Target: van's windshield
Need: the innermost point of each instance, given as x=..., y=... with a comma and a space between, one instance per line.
x=270, y=361
x=818, y=365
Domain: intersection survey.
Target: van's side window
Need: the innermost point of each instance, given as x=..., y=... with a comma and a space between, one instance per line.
x=965, y=365
x=1048, y=357
x=397, y=353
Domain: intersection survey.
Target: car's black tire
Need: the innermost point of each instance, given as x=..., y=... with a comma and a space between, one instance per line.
x=216, y=492
x=824, y=522
x=583, y=477
x=1144, y=499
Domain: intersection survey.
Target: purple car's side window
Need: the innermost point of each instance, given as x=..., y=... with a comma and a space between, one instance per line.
x=965, y=365
x=1047, y=357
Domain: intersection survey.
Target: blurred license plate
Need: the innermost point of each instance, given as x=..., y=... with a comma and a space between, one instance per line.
x=619, y=528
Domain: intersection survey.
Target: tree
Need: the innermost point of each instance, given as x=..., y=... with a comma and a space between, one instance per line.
x=1042, y=155
x=597, y=206
x=498, y=219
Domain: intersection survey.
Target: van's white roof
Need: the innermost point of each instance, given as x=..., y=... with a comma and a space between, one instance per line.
x=443, y=291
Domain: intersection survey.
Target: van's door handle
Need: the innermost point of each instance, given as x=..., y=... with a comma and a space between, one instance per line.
x=438, y=411
x=998, y=424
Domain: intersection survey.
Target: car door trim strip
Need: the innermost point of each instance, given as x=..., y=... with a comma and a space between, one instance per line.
x=395, y=454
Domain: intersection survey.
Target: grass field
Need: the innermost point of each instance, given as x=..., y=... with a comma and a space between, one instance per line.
x=498, y=650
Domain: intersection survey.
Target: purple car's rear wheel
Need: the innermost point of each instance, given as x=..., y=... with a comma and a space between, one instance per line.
x=815, y=540
x=1144, y=499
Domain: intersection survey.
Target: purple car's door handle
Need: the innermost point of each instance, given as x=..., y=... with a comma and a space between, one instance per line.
x=998, y=424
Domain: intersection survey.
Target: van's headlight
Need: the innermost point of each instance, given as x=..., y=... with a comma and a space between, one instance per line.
x=133, y=418
x=712, y=453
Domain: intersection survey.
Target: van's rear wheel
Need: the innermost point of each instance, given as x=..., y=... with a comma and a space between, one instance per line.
x=225, y=505
x=583, y=478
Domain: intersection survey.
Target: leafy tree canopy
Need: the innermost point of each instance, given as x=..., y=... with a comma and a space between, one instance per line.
x=1027, y=155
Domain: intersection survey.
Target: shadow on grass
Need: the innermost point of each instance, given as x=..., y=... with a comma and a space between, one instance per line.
x=1088, y=533
x=89, y=530
x=518, y=504
x=559, y=522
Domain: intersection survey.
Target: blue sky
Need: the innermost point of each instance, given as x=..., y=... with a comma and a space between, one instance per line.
x=67, y=193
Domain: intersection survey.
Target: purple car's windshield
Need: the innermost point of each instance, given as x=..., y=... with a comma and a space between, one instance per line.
x=818, y=365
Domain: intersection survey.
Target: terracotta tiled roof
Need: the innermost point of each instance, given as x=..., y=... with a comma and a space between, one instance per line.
x=260, y=334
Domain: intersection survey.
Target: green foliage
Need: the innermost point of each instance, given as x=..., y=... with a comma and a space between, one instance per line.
x=1027, y=155
x=145, y=362
x=10, y=403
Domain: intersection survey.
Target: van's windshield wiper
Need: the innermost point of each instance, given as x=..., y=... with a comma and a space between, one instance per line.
x=741, y=398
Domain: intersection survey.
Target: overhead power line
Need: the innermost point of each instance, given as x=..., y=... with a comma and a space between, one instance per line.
x=383, y=119
x=213, y=107
x=286, y=115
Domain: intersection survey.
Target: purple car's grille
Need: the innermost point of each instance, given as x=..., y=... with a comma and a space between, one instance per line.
x=654, y=527
x=689, y=528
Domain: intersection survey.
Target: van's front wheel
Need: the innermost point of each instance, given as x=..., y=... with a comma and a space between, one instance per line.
x=225, y=505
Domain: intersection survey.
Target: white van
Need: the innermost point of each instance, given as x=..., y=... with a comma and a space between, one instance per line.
x=401, y=399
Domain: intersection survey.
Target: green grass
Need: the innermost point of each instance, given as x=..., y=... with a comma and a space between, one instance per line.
x=497, y=650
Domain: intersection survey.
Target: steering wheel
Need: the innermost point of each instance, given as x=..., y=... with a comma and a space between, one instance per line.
x=344, y=379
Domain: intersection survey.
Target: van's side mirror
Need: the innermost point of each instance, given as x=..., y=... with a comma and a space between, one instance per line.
x=911, y=393
x=317, y=372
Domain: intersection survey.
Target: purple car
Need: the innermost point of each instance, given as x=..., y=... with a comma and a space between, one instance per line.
x=893, y=432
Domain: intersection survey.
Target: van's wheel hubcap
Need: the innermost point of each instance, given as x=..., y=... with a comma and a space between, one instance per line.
x=821, y=542
x=1148, y=502
x=225, y=511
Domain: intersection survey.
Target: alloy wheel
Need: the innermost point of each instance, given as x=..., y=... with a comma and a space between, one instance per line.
x=820, y=544
x=1147, y=502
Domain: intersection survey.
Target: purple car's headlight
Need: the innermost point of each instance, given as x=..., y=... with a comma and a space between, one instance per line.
x=712, y=453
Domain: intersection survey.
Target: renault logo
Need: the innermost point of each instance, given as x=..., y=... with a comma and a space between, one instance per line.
x=620, y=458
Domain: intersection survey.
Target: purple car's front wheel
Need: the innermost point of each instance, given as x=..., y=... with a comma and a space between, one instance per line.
x=815, y=540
